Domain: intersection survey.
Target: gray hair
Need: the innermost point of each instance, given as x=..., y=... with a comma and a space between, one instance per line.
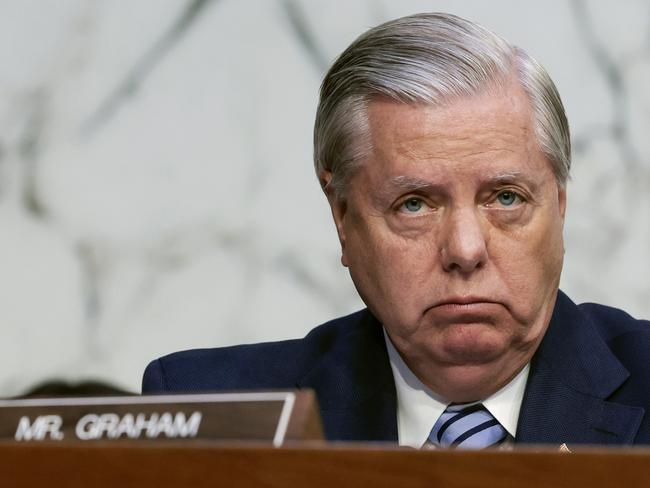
x=427, y=58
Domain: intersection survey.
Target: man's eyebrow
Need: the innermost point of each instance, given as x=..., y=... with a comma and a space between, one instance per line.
x=510, y=177
x=410, y=183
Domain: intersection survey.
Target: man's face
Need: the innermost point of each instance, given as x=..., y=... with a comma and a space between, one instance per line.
x=452, y=232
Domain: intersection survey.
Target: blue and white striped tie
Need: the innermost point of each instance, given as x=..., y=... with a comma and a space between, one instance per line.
x=467, y=426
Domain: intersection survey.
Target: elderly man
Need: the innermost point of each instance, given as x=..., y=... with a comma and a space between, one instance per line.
x=444, y=153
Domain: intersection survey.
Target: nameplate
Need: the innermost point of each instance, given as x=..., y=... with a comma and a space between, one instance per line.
x=273, y=417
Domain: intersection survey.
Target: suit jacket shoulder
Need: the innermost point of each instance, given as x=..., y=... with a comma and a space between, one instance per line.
x=614, y=325
x=252, y=366
x=629, y=341
x=344, y=361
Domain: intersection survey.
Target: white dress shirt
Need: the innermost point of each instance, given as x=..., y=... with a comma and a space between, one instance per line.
x=418, y=407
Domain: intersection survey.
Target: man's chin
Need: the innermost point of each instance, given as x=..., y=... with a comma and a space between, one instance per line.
x=471, y=344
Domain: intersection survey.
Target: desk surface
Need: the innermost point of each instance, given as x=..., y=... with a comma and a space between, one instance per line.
x=203, y=464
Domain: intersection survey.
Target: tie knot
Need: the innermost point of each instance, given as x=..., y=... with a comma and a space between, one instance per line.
x=467, y=426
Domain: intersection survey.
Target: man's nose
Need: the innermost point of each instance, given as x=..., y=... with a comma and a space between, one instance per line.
x=463, y=245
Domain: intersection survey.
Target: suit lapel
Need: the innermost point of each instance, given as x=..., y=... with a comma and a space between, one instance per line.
x=354, y=385
x=572, y=375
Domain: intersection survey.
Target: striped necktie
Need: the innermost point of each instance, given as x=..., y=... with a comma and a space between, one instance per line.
x=467, y=426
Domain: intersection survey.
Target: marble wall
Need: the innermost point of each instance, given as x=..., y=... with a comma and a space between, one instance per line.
x=156, y=184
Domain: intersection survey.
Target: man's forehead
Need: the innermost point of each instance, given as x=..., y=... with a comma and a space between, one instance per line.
x=429, y=155
x=493, y=123
x=437, y=177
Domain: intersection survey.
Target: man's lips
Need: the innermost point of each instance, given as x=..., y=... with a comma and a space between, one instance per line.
x=465, y=300
x=467, y=309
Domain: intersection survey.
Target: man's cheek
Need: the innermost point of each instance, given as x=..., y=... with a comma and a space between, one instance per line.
x=519, y=273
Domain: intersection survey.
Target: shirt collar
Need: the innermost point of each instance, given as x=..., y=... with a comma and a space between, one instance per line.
x=418, y=407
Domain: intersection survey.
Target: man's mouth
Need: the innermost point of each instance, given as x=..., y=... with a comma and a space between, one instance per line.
x=467, y=309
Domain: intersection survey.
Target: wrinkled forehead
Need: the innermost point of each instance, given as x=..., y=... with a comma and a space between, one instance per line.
x=492, y=133
x=493, y=117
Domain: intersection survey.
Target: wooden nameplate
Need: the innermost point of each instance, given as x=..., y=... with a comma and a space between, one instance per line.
x=274, y=417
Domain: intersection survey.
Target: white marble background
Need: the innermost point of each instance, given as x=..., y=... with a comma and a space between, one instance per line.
x=156, y=184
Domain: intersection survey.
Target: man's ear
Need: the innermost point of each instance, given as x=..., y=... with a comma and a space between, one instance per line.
x=561, y=197
x=338, y=208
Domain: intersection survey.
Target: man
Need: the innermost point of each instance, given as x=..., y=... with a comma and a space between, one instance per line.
x=444, y=153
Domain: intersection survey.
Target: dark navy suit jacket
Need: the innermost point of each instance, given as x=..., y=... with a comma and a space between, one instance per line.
x=589, y=381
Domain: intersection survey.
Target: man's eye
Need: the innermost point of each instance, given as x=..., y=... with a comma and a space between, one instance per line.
x=507, y=198
x=413, y=205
